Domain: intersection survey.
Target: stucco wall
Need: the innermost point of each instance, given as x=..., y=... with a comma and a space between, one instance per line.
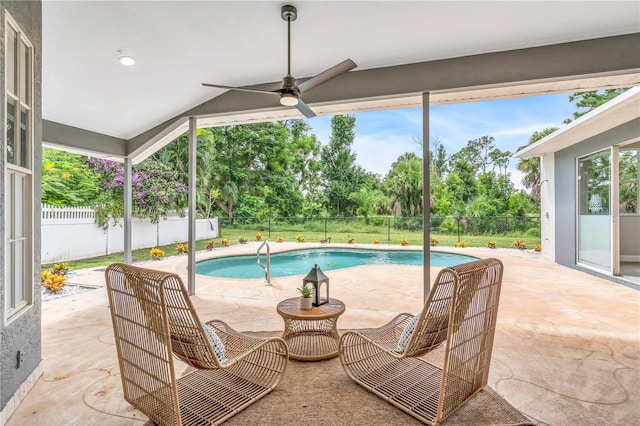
x=565, y=187
x=24, y=332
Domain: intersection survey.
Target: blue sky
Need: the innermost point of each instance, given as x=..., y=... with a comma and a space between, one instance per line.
x=382, y=136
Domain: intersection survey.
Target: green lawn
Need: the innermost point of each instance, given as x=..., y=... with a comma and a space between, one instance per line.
x=233, y=234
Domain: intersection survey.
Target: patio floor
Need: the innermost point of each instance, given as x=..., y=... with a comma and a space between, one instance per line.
x=566, y=350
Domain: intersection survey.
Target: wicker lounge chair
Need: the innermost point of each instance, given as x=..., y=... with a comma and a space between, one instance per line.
x=460, y=313
x=152, y=318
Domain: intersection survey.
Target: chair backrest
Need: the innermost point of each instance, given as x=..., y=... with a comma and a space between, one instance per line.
x=449, y=302
x=152, y=318
x=472, y=293
x=142, y=341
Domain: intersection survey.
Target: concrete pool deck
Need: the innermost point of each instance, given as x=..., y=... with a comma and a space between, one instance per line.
x=566, y=351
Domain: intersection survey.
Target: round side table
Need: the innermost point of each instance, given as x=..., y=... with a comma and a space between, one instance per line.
x=311, y=335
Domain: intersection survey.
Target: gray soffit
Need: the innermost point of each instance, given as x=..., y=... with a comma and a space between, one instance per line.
x=82, y=141
x=621, y=110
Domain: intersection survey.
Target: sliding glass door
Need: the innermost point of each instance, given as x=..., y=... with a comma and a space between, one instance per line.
x=594, y=210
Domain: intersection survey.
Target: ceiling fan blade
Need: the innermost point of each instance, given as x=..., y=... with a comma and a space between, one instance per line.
x=327, y=75
x=241, y=89
x=304, y=108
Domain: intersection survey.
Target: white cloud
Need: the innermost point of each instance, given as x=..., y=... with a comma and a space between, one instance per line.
x=376, y=152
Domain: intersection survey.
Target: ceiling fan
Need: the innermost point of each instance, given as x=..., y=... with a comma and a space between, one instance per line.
x=290, y=91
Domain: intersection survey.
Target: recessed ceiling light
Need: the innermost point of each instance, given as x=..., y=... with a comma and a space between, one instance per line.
x=125, y=58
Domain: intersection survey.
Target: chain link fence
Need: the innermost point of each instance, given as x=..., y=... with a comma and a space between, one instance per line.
x=386, y=228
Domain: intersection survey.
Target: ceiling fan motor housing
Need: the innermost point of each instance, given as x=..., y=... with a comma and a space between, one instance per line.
x=289, y=83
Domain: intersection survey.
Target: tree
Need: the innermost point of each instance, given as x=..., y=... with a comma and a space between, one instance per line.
x=591, y=100
x=531, y=166
x=342, y=176
x=404, y=185
x=67, y=180
x=500, y=159
x=253, y=169
x=461, y=179
x=156, y=190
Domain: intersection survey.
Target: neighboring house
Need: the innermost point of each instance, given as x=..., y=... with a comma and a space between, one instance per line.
x=96, y=108
x=590, y=190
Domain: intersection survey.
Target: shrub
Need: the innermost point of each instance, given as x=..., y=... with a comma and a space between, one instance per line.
x=210, y=245
x=279, y=239
x=258, y=236
x=351, y=240
x=433, y=241
x=55, y=279
x=519, y=244
x=300, y=238
x=376, y=241
x=156, y=253
x=404, y=242
x=61, y=268
x=537, y=247
x=54, y=282
x=225, y=242
x=377, y=221
x=242, y=240
x=533, y=232
x=182, y=248
x=449, y=226
x=491, y=244
x=461, y=244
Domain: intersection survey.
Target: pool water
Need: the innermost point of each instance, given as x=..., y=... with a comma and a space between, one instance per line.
x=299, y=262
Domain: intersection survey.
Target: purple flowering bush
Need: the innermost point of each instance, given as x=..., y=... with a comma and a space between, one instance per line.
x=156, y=190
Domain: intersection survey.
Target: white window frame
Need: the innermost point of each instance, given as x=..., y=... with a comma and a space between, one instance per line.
x=13, y=307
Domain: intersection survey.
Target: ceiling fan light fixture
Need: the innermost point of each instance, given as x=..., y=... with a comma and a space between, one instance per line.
x=288, y=99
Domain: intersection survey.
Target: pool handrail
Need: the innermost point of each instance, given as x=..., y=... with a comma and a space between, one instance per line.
x=267, y=268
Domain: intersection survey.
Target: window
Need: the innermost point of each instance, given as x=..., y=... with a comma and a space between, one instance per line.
x=629, y=181
x=18, y=171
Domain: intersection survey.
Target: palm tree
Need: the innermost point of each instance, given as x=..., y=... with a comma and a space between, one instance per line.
x=531, y=166
x=404, y=184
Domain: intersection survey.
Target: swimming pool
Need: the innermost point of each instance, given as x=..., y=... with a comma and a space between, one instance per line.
x=298, y=262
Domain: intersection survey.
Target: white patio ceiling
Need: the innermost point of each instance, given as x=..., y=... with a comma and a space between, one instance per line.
x=177, y=45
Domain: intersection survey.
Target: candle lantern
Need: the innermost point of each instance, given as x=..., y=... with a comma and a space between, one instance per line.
x=320, y=284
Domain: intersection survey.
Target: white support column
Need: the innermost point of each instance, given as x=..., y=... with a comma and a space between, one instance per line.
x=426, y=204
x=191, y=241
x=548, y=206
x=128, y=210
x=615, y=210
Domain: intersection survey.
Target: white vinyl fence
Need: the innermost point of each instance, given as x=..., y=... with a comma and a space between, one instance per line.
x=70, y=233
